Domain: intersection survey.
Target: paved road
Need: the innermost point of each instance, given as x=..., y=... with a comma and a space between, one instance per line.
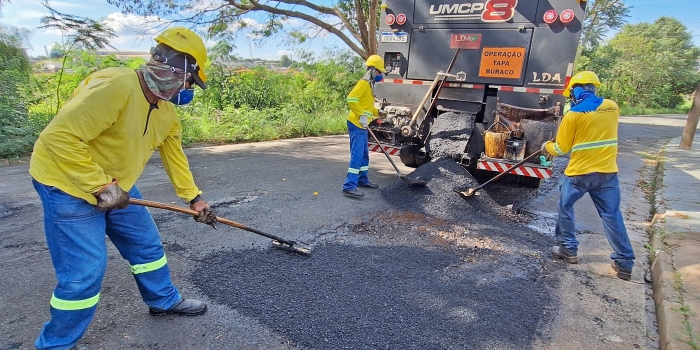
x=379, y=277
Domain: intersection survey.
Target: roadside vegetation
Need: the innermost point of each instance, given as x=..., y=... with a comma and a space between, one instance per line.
x=647, y=68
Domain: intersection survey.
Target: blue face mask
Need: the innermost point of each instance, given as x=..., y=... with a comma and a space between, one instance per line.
x=183, y=97
x=378, y=78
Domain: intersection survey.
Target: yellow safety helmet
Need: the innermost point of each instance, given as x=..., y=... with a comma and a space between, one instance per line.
x=376, y=62
x=581, y=78
x=185, y=40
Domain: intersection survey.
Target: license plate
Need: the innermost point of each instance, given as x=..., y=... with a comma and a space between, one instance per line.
x=394, y=37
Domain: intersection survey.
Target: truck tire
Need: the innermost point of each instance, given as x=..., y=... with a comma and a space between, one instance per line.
x=530, y=181
x=413, y=160
x=408, y=160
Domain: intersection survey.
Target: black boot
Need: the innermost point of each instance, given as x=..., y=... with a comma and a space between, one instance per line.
x=187, y=307
x=368, y=185
x=353, y=193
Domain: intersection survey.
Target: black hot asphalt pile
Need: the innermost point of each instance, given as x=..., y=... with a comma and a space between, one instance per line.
x=449, y=134
x=438, y=199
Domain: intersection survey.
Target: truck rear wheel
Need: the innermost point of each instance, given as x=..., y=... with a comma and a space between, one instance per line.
x=408, y=160
x=413, y=160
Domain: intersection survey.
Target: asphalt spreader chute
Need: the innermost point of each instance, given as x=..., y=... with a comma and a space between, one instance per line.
x=277, y=242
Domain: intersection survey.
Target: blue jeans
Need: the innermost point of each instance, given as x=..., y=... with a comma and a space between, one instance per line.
x=75, y=233
x=359, y=158
x=604, y=190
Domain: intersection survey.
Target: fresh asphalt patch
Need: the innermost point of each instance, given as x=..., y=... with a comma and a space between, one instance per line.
x=436, y=271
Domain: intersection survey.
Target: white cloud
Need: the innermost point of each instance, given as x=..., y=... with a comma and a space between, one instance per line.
x=24, y=15
x=289, y=53
x=63, y=5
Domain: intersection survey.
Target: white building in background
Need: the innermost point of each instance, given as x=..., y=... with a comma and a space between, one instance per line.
x=125, y=54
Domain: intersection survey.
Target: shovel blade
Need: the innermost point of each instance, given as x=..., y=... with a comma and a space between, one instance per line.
x=465, y=194
x=413, y=182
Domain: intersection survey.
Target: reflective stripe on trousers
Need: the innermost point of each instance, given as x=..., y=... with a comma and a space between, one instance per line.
x=359, y=158
x=75, y=233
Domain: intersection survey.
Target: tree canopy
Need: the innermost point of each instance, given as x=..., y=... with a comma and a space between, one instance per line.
x=647, y=64
x=355, y=22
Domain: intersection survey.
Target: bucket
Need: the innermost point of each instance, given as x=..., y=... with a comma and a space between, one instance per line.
x=515, y=146
x=495, y=142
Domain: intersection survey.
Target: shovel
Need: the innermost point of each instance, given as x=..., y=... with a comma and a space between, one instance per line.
x=277, y=242
x=472, y=191
x=409, y=182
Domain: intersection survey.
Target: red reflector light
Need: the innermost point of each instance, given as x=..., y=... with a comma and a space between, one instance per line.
x=401, y=19
x=389, y=19
x=567, y=15
x=550, y=16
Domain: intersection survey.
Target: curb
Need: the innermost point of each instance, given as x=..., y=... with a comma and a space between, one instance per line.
x=675, y=317
x=666, y=296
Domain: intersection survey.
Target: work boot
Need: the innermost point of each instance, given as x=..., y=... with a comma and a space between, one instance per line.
x=187, y=307
x=622, y=274
x=368, y=185
x=353, y=193
x=560, y=252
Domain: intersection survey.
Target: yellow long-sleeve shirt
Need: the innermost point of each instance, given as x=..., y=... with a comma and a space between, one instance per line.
x=591, y=138
x=361, y=102
x=104, y=132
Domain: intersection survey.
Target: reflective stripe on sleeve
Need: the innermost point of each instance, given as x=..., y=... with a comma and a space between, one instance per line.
x=71, y=305
x=148, y=267
x=353, y=171
x=558, y=150
x=595, y=144
x=367, y=113
x=353, y=99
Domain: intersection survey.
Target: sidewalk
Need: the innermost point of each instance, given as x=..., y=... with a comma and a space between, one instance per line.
x=676, y=248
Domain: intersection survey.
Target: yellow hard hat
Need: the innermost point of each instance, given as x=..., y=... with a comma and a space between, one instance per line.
x=376, y=62
x=187, y=41
x=581, y=78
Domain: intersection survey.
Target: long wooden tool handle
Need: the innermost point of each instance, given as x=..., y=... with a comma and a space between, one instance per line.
x=158, y=205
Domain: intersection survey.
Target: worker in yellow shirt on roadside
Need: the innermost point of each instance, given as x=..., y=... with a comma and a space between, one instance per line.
x=85, y=166
x=589, y=131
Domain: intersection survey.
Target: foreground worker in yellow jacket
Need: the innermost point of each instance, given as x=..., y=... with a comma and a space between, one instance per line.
x=362, y=111
x=85, y=165
x=589, y=131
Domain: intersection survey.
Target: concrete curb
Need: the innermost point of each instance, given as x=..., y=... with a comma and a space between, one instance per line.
x=675, y=244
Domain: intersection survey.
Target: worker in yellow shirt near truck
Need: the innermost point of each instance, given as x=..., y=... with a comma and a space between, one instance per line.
x=589, y=131
x=362, y=111
x=85, y=166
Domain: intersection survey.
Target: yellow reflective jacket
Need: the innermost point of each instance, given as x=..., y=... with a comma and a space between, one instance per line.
x=104, y=132
x=591, y=137
x=361, y=102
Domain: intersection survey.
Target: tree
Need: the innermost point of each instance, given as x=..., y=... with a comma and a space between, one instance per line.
x=285, y=61
x=601, y=16
x=81, y=34
x=355, y=22
x=649, y=65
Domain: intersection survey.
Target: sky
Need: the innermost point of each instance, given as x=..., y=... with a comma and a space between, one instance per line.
x=27, y=13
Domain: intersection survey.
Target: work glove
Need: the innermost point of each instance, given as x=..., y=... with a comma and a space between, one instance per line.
x=363, y=121
x=111, y=196
x=206, y=214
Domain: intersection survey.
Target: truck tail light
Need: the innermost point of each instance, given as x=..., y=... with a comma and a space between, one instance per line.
x=550, y=16
x=567, y=15
x=390, y=19
x=401, y=19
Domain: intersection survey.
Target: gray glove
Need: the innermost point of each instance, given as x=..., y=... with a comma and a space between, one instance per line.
x=206, y=214
x=363, y=121
x=111, y=196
